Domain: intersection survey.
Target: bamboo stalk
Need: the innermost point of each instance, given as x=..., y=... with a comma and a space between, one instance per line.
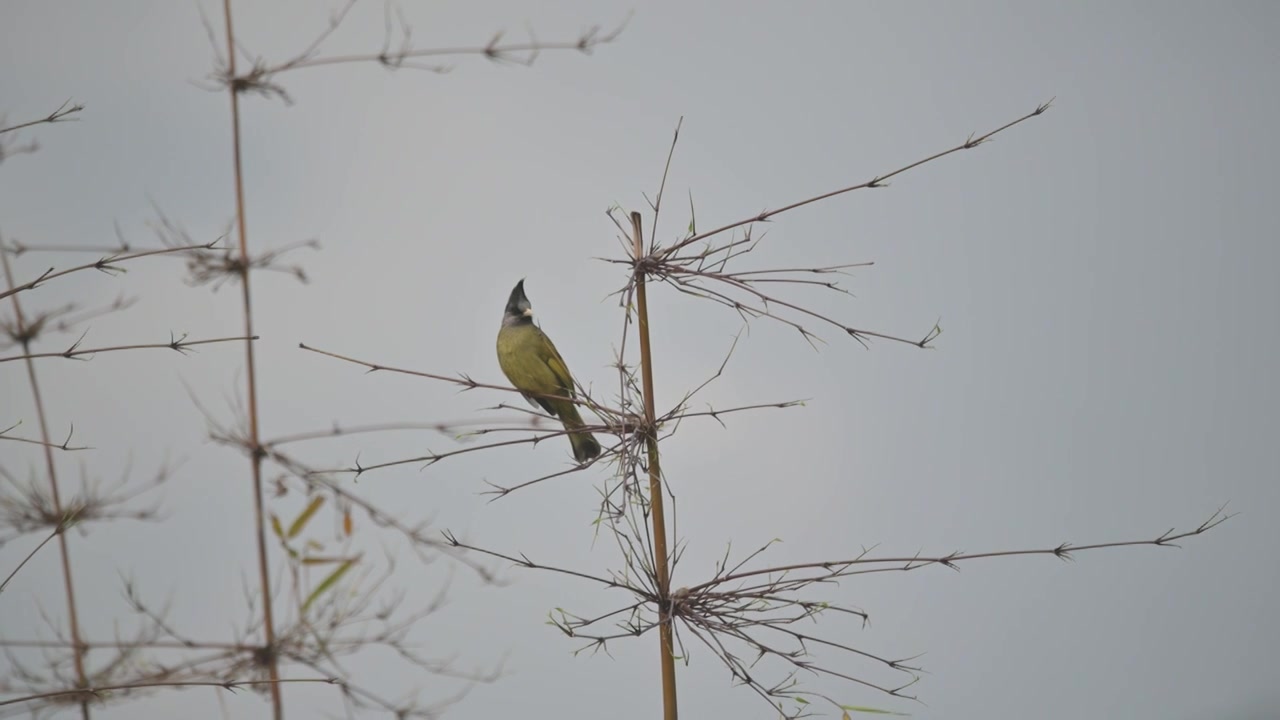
x=669, y=707
x=257, y=454
x=73, y=618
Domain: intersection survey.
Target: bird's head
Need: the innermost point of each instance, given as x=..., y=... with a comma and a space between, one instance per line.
x=518, y=309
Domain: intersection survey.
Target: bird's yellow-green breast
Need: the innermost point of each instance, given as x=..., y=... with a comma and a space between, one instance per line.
x=530, y=361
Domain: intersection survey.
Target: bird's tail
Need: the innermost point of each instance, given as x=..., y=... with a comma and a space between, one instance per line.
x=584, y=444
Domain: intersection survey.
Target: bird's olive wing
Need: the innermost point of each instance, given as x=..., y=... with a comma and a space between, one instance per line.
x=559, y=369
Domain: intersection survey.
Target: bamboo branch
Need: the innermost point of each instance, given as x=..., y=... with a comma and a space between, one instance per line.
x=875, y=182
x=99, y=691
x=108, y=264
x=60, y=115
x=180, y=344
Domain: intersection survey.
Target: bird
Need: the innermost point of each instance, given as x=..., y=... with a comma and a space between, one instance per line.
x=534, y=366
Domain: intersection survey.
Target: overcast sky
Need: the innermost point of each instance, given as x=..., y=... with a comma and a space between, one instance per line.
x=1104, y=275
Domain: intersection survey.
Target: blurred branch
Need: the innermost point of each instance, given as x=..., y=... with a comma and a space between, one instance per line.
x=99, y=693
x=18, y=248
x=56, y=531
x=494, y=50
x=57, y=320
x=30, y=507
x=314, y=481
x=108, y=264
x=398, y=51
x=62, y=114
x=64, y=445
x=180, y=344
x=317, y=621
x=115, y=644
x=10, y=147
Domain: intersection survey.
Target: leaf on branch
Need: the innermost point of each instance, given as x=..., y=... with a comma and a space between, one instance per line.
x=305, y=516
x=327, y=584
x=846, y=709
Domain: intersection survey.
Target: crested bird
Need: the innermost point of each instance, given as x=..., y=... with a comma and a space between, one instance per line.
x=534, y=366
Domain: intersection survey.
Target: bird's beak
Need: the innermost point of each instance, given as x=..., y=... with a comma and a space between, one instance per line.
x=528, y=312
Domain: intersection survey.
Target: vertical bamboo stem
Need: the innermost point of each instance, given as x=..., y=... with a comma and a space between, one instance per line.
x=256, y=457
x=669, y=706
x=73, y=618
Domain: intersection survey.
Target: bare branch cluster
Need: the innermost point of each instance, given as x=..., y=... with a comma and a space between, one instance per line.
x=319, y=626
x=697, y=263
x=29, y=507
x=39, y=506
x=316, y=627
x=60, y=320
x=398, y=51
x=216, y=266
x=299, y=477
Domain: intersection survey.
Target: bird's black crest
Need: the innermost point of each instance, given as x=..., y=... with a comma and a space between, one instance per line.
x=517, y=303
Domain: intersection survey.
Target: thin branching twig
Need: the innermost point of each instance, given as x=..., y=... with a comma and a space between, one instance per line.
x=62, y=114
x=110, y=264
x=101, y=691
x=178, y=343
x=397, y=52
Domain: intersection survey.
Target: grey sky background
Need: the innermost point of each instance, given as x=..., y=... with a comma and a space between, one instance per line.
x=1104, y=276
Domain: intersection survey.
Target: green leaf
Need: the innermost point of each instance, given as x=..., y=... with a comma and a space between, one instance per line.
x=305, y=516
x=275, y=526
x=328, y=583
x=316, y=560
x=874, y=711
